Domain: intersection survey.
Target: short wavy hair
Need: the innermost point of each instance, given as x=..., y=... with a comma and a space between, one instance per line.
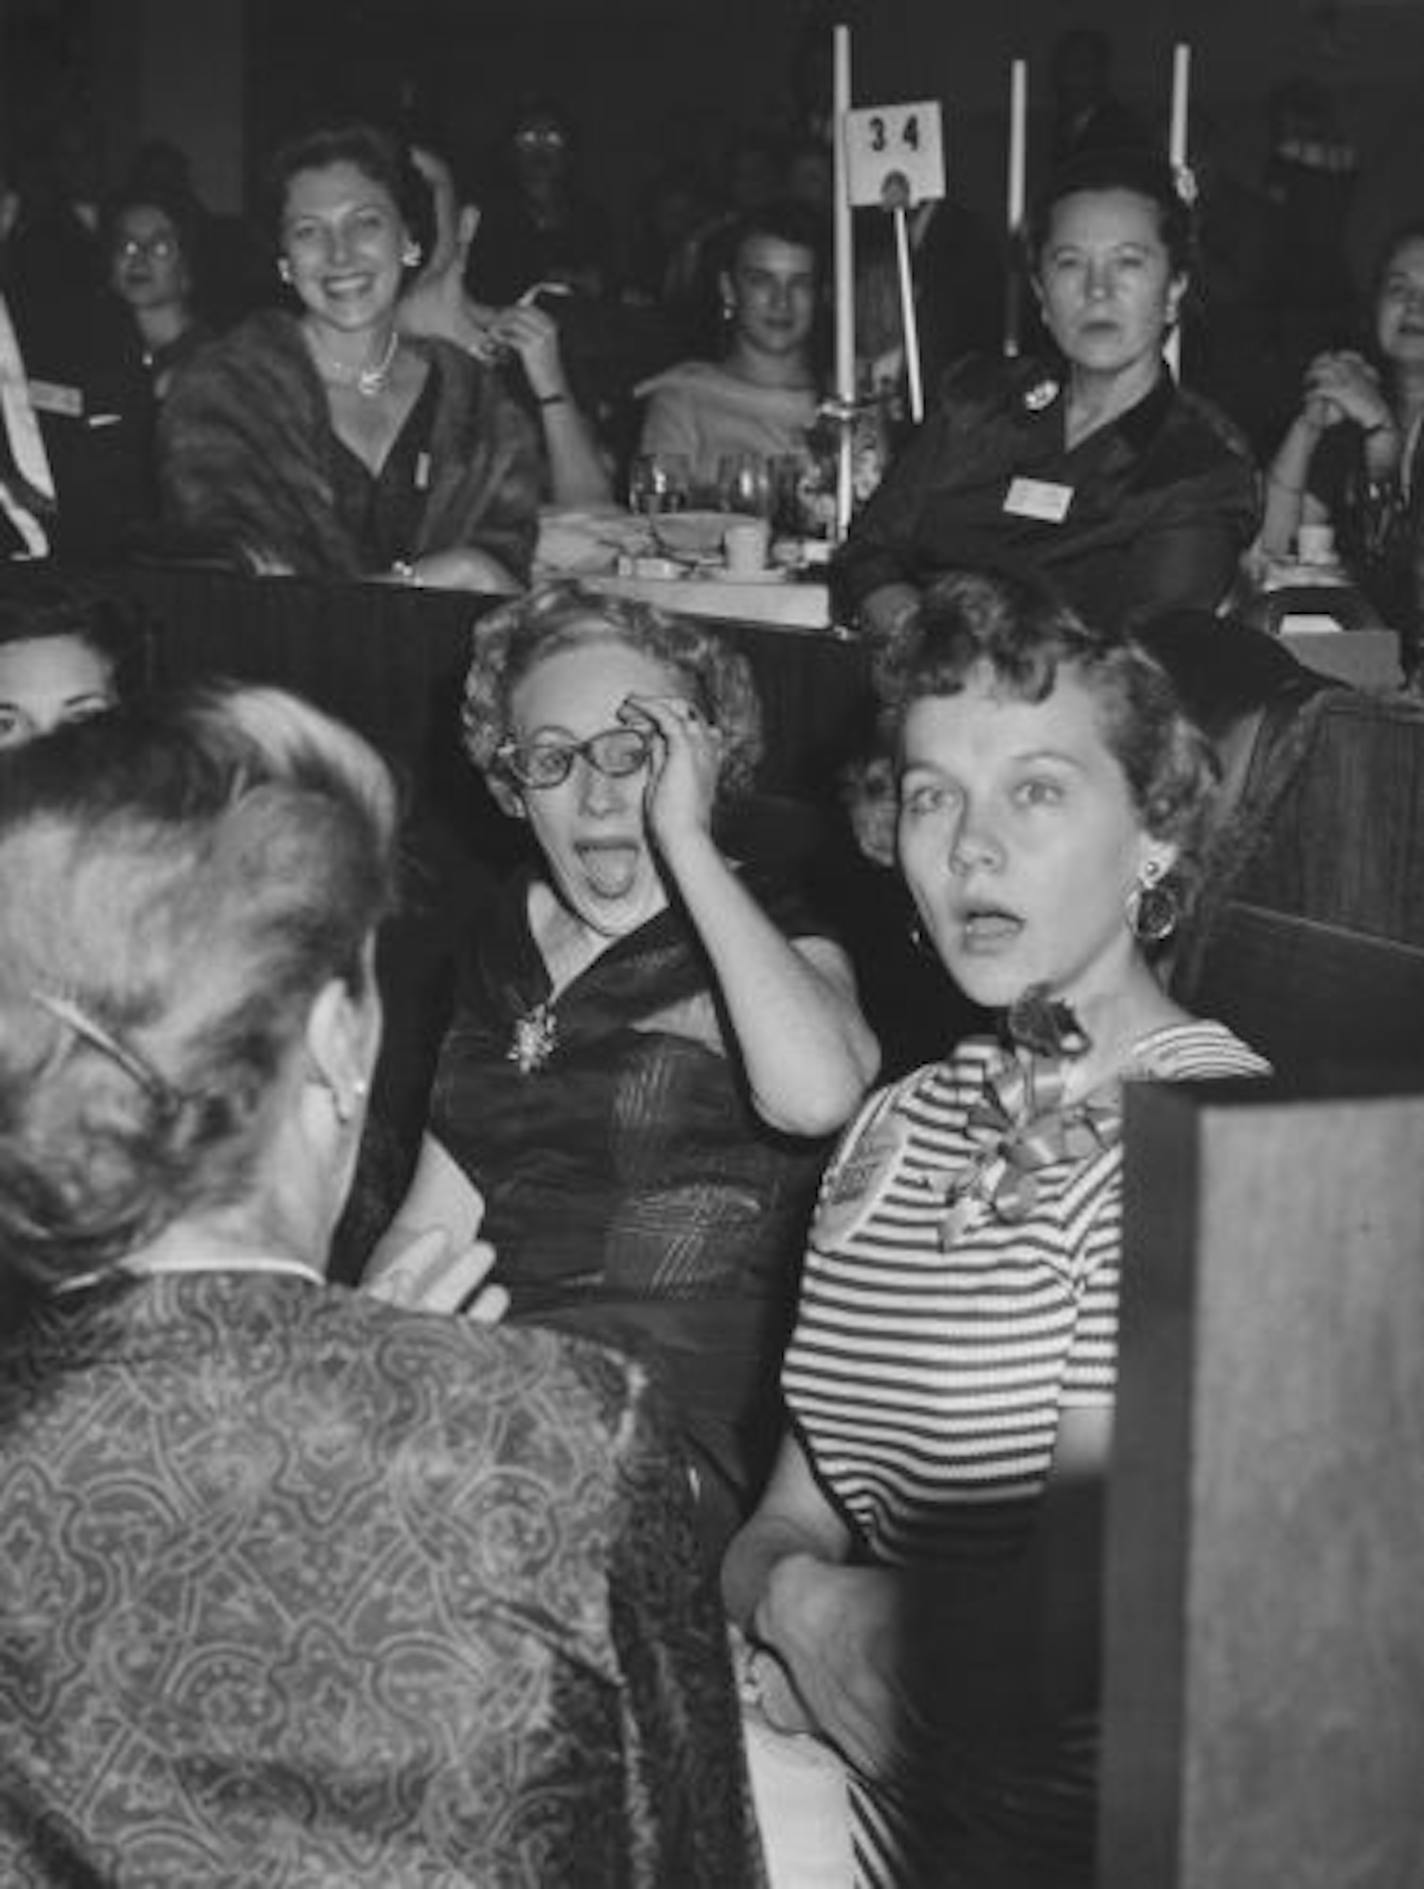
x=177, y=883
x=1017, y=628
x=374, y=151
x=512, y=640
x=1142, y=172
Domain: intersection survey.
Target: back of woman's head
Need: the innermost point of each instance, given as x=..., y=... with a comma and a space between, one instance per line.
x=1013, y=629
x=177, y=883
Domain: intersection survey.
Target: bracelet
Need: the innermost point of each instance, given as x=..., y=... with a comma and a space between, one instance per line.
x=551, y=400
x=406, y=573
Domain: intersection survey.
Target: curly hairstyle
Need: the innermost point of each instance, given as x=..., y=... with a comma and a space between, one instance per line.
x=177, y=883
x=512, y=640
x=1015, y=627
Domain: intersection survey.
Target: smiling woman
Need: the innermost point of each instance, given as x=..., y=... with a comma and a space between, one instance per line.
x=324, y=442
x=1353, y=458
x=761, y=397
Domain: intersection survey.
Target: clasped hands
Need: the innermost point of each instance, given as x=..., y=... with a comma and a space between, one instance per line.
x=1343, y=385
x=430, y=1258
x=831, y=1654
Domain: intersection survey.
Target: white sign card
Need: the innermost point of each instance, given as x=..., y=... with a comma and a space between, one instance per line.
x=885, y=143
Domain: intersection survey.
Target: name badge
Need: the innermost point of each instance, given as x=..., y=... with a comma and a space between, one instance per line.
x=860, y=1178
x=1039, y=498
x=422, y=472
x=49, y=396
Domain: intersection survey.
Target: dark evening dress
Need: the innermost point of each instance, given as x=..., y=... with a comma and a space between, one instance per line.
x=631, y=1191
x=297, y=1589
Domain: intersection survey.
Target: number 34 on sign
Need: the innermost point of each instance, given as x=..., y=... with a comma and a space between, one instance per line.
x=887, y=143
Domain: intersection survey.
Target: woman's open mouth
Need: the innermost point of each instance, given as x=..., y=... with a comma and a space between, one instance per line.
x=610, y=866
x=988, y=928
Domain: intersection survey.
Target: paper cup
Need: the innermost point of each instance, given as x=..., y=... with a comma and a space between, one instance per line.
x=746, y=544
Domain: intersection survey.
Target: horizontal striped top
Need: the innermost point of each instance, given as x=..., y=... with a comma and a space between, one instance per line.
x=933, y=1352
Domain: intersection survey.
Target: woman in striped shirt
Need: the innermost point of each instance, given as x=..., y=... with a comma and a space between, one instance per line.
x=919, y=1587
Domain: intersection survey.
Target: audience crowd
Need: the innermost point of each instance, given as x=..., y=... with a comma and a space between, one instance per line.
x=706, y=1420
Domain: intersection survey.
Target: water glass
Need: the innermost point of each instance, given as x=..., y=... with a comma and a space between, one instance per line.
x=659, y=482
x=744, y=484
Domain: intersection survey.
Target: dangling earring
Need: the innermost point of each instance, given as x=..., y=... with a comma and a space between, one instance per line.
x=410, y=256
x=1154, y=908
x=284, y=269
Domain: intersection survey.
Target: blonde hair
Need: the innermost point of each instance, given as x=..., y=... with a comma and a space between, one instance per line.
x=514, y=639
x=176, y=885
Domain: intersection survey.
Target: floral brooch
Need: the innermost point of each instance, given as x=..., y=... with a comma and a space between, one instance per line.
x=536, y=1036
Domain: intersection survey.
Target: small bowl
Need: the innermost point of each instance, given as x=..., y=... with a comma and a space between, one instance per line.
x=693, y=534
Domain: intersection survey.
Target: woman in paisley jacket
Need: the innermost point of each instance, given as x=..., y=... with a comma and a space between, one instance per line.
x=295, y=1585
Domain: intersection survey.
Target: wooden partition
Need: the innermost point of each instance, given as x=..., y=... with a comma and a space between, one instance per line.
x=1265, y=1612
x=1312, y=943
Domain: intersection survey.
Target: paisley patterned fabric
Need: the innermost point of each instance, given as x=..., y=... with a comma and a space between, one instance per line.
x=296, y=1589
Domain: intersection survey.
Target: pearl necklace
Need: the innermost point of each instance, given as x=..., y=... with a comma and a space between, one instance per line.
x=368, y=381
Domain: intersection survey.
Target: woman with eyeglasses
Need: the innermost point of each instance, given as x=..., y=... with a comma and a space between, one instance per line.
x=537, y=223
x=650, y=1044
x=150, y=241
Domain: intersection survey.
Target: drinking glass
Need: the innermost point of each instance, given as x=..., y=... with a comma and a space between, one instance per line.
x=744, y=484
x=659, y=482
x=789, y=475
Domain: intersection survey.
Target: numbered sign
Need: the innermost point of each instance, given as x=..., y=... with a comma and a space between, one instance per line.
x=889, y=142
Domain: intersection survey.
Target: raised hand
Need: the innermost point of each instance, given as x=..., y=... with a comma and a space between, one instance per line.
x=1342, y=385
x=534, y=336
x=682, y=779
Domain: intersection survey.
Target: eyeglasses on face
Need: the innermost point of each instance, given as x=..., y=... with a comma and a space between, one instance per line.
x=540, y=138
x=157, y=248
x=616, y=752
